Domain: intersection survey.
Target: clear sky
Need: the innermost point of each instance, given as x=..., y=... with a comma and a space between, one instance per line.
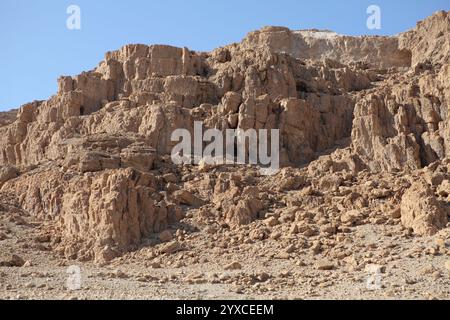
x=37, y=47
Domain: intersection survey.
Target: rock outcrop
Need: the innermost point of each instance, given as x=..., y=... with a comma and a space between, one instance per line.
x=402, y=123
x=421, y=211
x=94, y=160
x=378, y=52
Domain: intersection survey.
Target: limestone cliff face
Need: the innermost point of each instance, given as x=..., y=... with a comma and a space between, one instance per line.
x=380, y=52
x=94, y=156
x=151, y=91
x=429, y=41
x=403, y=121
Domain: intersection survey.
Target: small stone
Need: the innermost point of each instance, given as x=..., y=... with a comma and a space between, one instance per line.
x=351, y=217
x=294, y=229
x=440, y=242
x=410, y=281
x=276, y=235
x=283, y=256
x=240, y=290
x=436, y=275
x=187, y=198
x=27, y=264
x=211, y=230
x=272, y=222
x=396, y=213
x=120, y=274
x=375, y=268
x=316, y=248
x=179, y=264
x=447, y=265
x=233, y=266
x=106, y=255
x=170, y=178
x=328, y=229
x=13, y=261
x=428, y=270
x=262, y=277
x=308, y=231
x=325, y=266
x=43, y=238
x=300, y=263
x=437, y=179
x=370, y=184
x=433, y=251
x=290, y=249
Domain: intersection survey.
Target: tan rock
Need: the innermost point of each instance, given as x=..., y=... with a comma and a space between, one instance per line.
x=172, y=247
x=12, y=261
x=351, y=217
x=421, y=211
x=233, y=266
x=187, y=198
x=325, y=266
x=272, y=221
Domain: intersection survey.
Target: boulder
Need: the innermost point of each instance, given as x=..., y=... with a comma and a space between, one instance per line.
x=421, y=211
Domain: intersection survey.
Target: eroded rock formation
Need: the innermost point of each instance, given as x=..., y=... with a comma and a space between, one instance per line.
x=93, y=160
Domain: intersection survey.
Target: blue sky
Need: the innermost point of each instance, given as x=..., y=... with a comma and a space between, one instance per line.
x=37, y=47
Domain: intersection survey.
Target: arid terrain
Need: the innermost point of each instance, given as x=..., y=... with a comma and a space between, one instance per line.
x=359, y=210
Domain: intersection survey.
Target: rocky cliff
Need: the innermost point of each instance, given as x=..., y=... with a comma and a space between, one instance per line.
x=93, y=161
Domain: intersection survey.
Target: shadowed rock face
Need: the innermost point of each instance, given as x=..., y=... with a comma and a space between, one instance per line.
x=93, y=158
x=7, y=117
x=403, y=121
